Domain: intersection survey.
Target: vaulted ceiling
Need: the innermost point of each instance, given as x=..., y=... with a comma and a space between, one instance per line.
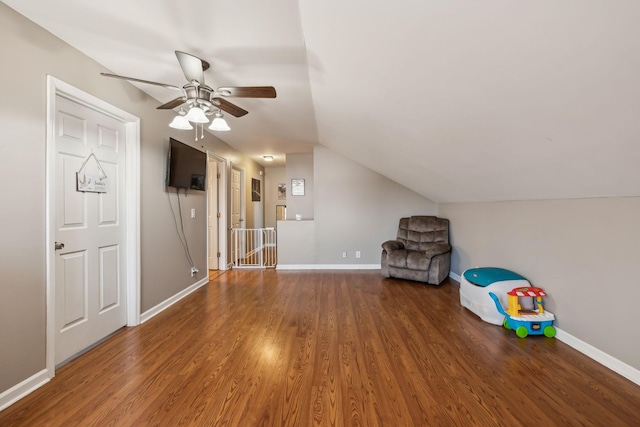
x=457, y=100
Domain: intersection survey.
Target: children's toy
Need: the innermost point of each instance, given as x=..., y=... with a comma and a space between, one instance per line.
x=475, y=285
x=525, y=321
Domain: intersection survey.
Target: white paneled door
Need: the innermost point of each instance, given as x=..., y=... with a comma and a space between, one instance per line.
x=90, y=256
x=212, y=200
x=236, y=204
x=236, y=215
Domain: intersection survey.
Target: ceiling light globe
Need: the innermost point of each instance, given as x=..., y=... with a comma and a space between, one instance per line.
x=196, y=115
x=219, y=124
x=180, y=122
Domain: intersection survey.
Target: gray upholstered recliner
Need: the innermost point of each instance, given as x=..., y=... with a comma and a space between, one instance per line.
x=421, y=252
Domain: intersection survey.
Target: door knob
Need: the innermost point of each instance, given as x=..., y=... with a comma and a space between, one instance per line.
x=59, y=246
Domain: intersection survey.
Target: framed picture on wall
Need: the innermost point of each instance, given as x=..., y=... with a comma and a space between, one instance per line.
x=282, y=191
x=297, y=187
x=255, y=190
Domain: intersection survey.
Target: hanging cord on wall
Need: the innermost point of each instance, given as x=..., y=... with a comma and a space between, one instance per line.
x=180, y=228
x=186, y=243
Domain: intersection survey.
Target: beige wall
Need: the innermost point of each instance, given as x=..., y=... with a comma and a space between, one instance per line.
x=254, y=217
x=165, y=270
x=273, y=177
x=584, y=253
x=30, y=54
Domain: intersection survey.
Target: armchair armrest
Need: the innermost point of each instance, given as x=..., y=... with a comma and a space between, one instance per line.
x=437, y=249
x=392, y=245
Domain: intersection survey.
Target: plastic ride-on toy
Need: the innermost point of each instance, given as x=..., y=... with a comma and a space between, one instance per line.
x=534, y=321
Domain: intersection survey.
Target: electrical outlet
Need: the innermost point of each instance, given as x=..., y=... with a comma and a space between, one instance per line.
x=194, y=271
x=357, y=254
x=344, y=254
x=193, y=212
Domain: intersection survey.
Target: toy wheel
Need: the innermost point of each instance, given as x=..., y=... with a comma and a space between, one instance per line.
x=506, y=324
x=549, y=332
x=521, y=331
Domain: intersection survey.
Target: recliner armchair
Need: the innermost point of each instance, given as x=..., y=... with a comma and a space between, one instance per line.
x=421, y=251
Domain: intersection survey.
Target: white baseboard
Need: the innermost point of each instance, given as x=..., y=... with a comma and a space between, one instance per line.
x=328, y=267
x=20, y=390
x=629, y=372
x=174, y=299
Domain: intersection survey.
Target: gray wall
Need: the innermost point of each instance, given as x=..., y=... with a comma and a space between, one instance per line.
x=584, y=253
x=300, y=166
x=296, y=243
x=357, y=209
x=30, y=53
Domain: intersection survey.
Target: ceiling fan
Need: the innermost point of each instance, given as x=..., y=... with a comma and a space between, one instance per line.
x=198, y=96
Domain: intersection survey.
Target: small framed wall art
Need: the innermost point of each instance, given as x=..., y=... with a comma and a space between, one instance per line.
x=297, y=187
x=255, y=190
x=282, y=191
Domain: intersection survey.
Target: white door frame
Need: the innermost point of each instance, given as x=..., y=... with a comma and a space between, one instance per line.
x=132, y=202
x=222, y=208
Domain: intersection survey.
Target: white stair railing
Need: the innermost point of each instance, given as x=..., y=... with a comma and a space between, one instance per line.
x=253, y=247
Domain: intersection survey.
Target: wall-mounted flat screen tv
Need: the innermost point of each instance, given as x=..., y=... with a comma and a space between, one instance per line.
x=187, y=167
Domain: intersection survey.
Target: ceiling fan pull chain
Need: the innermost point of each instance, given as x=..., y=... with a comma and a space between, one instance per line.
x=202, y=130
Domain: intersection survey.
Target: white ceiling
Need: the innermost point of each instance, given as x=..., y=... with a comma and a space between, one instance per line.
x=458, y=100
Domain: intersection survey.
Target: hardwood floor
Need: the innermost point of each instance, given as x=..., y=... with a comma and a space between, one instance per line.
x=344, y=348
x=213, y=274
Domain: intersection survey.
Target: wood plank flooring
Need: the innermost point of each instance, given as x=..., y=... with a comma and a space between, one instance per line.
x=343, y=348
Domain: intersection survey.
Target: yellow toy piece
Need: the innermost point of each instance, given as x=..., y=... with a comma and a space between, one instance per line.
x=514, y=306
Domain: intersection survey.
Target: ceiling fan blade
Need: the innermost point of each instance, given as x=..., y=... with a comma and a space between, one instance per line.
x=173, y=104
x=248, y=91
x=133, y=79
x=230, y=108
x=192, y=66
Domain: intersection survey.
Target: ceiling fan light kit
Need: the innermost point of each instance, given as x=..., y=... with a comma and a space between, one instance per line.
x=200, y=99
